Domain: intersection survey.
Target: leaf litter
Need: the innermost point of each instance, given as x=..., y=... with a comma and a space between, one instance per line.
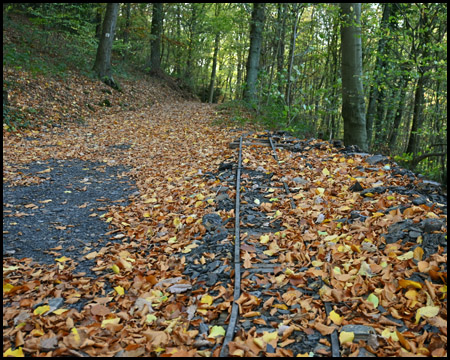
x=375, y=255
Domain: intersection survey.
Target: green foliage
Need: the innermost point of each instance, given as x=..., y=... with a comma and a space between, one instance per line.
x=14, y=119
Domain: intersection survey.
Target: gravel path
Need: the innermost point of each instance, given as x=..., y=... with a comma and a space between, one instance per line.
x=58, y=211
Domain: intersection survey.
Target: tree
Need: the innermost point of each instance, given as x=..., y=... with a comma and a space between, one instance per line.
x=353, y=107
x=256, y=37
x=102, y=65
x=216, y=52
x=155, y=43
x=379, y=70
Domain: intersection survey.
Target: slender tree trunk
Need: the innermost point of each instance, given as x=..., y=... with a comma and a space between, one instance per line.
x=280, y=53
x=102, y=65
x=417, y=116
x=256, y=29
x=155, y=43
x=126, y=32
x=353, y=107
x=214, y=65
x=291, y=61
x=380, y=64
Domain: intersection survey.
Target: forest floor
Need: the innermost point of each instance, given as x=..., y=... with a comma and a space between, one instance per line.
x=106, y=250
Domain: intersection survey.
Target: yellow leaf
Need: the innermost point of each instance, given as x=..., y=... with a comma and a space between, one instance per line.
x=59, y=311
x=377, y=214
x=109, y=219
x=150, y=318
x=335, y=317
x=346, y=336
x=62, y=259
x=264, y=239
x=389, y=334
x=238, y=353
x=146, y=214
x=406, y=256
x=7, y=287
x=432, y=215
x=418, y=253
x=115, y=269
x=41, y=310
x=75, y=334
x=373, y=299
x=120, y=290
x=427, y=311
x=206, y=299
x=14, y=353
x=269, y=336
x=189, y=219
x=172, y=240
x=411, y=294
x=216, y=331
x=245, y=161
x=259, y=342
x=288, y=271
x=405, y=283
x=325, y=172
x=200, y=196
x=320, y=191
x=110, y=321
x=281, y=306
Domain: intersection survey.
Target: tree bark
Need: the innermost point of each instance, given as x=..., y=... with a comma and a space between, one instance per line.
x=256, y=29
x=214, y=65
x=353, y=107
x=102, y=65
x=378, y=75
x=155, y=43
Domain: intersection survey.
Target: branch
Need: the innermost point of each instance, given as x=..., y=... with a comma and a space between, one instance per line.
x=418, y=159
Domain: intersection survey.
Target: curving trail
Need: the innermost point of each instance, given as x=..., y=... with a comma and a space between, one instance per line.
x=163, y=284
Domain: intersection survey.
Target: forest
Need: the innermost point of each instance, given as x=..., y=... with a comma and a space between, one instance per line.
x=285, y=67
x=224, y=179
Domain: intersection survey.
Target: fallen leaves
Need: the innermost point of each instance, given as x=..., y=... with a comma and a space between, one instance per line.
x=140, y=286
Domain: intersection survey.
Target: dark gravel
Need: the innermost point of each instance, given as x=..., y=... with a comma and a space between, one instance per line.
x=70, y=192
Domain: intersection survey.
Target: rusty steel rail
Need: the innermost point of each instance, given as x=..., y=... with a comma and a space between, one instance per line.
x=237, y=262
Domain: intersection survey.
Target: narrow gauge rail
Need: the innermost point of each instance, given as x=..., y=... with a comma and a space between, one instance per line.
x=234, y=316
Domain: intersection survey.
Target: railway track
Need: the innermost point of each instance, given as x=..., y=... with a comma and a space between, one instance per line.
x=263, y=264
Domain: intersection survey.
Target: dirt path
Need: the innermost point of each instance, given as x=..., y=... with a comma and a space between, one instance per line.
x=156, y=276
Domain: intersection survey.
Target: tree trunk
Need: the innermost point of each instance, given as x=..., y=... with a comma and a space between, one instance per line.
x=280, y=53
x=214, y=65
x=353, y=107
x=155, y=43
x=213, y=71
x=102, y=65
x=378, y=75
x=291, y=60
x=417, y=116
x=256, y=29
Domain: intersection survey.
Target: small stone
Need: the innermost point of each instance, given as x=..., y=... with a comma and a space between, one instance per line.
x=299, y=180
x=414, y=234
x=361, y=332
x=430, y=225
x=375, y=159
